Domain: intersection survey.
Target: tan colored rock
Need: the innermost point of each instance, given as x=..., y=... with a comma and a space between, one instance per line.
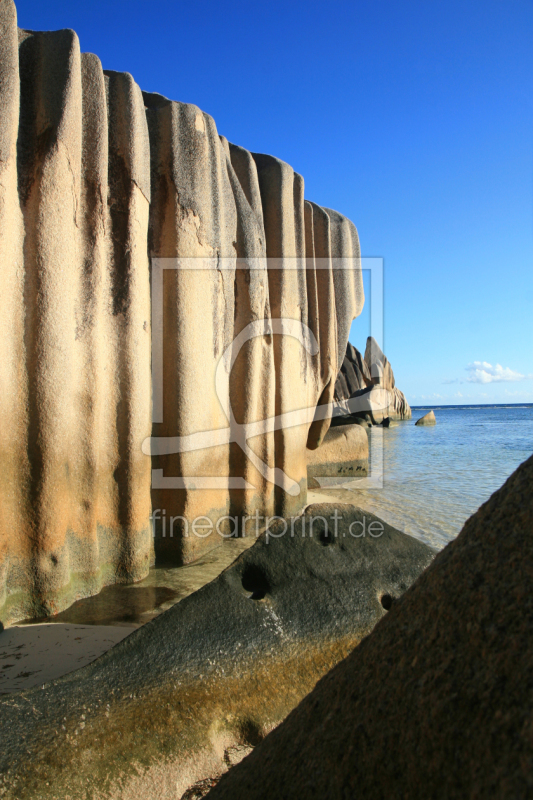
x=354, y=374
x=342, y=454
x=365, y=388
x=399, y=408
x=371, y=404
x=80, y=491
x=427, y=419
x=382, y=374
x=104, y=179
x=378, y=365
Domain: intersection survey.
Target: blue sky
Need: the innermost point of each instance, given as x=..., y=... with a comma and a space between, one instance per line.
x=413, y=118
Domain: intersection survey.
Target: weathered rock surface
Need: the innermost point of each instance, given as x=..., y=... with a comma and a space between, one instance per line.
x=354, y=374
x=365, y=388
x=95, y=180
x=427, y=419
x=162, y=709
x=437, y=701
x=343, y=453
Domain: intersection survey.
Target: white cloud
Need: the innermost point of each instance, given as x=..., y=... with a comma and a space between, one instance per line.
x=483, y=372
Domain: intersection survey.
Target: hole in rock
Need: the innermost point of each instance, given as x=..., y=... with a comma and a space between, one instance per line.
x=387, y=601
x=326, y=537
x=250, y=732
x=255, y=582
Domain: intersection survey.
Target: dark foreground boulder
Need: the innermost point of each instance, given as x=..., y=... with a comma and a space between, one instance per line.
x=437, y=702
x=179, y=699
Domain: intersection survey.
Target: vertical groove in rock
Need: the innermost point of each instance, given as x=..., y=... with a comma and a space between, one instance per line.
x=321, y=275
x=349, y=294
x=93, y=333
x=49, y=177
x=283, y=212
x=252, y=384
x=129, y=201
x=193, y=218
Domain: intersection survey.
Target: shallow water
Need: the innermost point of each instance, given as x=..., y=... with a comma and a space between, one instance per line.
x=435, y=477
x=135, y=604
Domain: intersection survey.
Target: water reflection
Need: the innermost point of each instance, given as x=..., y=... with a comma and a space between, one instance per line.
x=136, y=604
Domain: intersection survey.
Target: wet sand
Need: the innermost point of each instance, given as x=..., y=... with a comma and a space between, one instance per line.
x=31, y=655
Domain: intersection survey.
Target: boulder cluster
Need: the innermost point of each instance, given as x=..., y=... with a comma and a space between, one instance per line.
x=365, y=388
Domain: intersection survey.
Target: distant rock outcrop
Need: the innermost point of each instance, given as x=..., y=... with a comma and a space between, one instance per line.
x=436, y=702
x=96, y=179
x=179, y=698
x=365, y=388
x=354, y=374
x=427, y=419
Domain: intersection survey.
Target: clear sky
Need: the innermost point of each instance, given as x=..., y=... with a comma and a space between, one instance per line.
x=412, y=117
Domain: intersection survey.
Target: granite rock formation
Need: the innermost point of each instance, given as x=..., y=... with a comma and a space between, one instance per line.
x=168, y=705
x=354, y=374
x=343, y=454
x=365, y=388
x=96, y=179
x=436, y=702
x=427, y=419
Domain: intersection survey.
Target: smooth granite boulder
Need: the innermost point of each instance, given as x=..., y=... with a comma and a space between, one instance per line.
x=343, y=453
x=427, y=419
x=381, y=372
x=436, y=702
x=167, y=706
x=378, y=365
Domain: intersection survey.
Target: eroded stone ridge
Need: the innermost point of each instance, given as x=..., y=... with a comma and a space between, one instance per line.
x=95, y=179
x=365, y=387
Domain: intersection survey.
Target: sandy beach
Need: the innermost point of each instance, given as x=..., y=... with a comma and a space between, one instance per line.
x=32, y=655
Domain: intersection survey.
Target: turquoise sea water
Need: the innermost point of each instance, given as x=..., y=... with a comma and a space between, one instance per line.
x=435, y=477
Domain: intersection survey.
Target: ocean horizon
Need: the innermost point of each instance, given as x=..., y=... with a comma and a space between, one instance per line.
x=475, y=405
